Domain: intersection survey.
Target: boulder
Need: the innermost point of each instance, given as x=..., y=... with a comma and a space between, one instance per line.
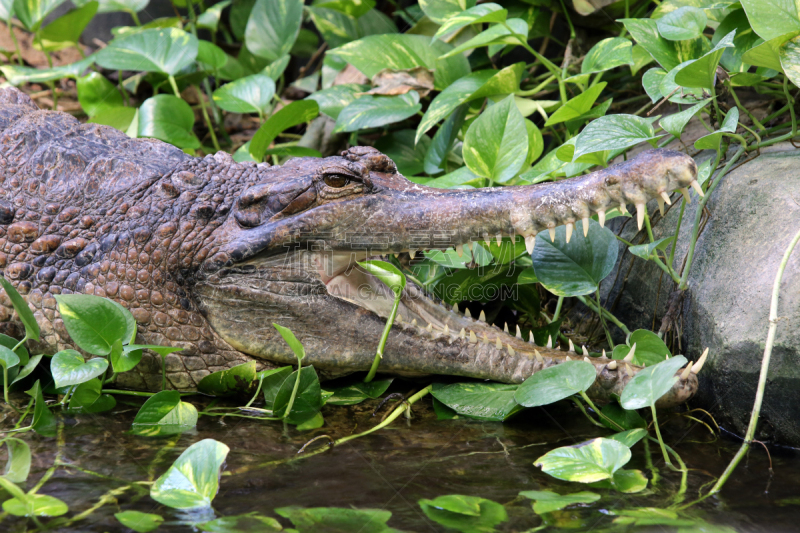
x=752, y=216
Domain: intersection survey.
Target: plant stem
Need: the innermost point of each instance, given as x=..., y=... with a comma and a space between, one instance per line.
x=756, y=123
x=14, y=38
x=612, y=318
x=384, y=337
x=174, y=85
x=603, y=320
x=294, y=390
x=557, y=312
x=677, y=232
x=762, y=378
x=391, y=418
x=206, y=117
x=658, y=434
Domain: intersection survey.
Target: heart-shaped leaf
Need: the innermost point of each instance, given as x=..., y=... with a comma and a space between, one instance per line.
x=193, y=479
x=651, y=383
x=556, y=383
x=138, y=521
x=251, y=94
x=589, y=461
x=94, y=323
x=69, y=368
x=483, y=401
x=18, y=464
x=166, y=50
x=547, y=501
x=164, y=414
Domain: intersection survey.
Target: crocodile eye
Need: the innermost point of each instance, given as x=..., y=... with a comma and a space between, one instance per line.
x=336, y=181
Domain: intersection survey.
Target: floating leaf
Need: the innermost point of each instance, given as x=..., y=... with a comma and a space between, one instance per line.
x=193, y=479
x=18, y=464
x=36, y=505
x=229, y=381
x=336, y=520
x=625, y=481
x=69, y=368
x=374, y=111
x=547, y=501
x=484, y=401
x=164, y=414
x=251, y=522
x=556, y=383
x=589, y=461
x=273, y=27
x=139, y=522
x=167, y=50
x=468, y=514
x=684, y=23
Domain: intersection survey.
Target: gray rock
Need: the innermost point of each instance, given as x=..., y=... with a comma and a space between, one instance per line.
x=754, y=213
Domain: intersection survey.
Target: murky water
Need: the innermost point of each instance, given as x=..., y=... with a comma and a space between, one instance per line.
x=394, y=468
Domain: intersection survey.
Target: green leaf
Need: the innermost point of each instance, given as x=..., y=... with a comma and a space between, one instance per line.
x=97, y=94
x=120, y=118
x=229, y=381
x=547, y=501
x=139, y=522
x=772, y=18
x=271, y=381
x=613, y=132
x=443, y=140
x=703, y=72
x=31, y=13
x=169, y=119
x=210, y=56
x=122, y=358
x=587, y=462
x=674, y=124
x=489, y=12
x=250, y=522
x=651, y=81
x=767, y=54
x=298, y=112
x=85, y=394
x=332, y=100
x=449, y=512
x=358, y=392
x=66, y=30
x=712, y=140
x=18, y=464
x=69, y=368
x=374, y=111
x=387, y=273
x=372, y=54
x=650, y=349
x=575, y=268
x=29, y=367
x=36, y=505
x=336, y=520
x=399, y=146
x=556, y=383
x=577, y=106
x=440, y=11
x=789, y=54
x=651, y=383
x=678, y=94
x=23, y=311
x=17, y=75
x=625, y=481
x=6, y=9
x=94, y=323
x=669, y=54
x=626, y=419
x=273, y=27
x=744, y=40
x=292, y=341
x=193, y=479
x=164, y=414
x=641, y=58
x=354, y=8
x=44, y=423
x=209, y=19
x=108, y=6
x=607, y=54
x=251, y=94
x=308, y=401
x=684, y=23
x=167, y=50
x=648, y=251
x=483, y=401
x=495, y=145
x=8, y=358
x=630, y=437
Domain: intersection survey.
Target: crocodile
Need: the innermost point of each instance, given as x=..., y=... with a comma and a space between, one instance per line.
x=207, y=253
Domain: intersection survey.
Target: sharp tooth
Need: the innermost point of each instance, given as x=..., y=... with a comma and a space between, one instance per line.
x=584, y=350
x=685, y=192
x=700, y=362
x=429, y=327
x=552, y=232
x=482, y=316
x=628, y=369
x=462, y=334
x=485, y=338
x=550, y=342
x=510, y=350
x=399, y=319
x=460, y=250
x=660, y=206
x=519, y=332
x=538, y=356
x=665, y=196
x=697, y=188
x=530, y=337
x=604, y=353
x=413, y=321
x=601, y=217
x=446, y=329
x=571, y=346
x=569, y=231
x=569, y=358
x=622, y=208
x=498, y=344
x=455, y=308
x=612, y=365
x=412, y=252
x=499, y=239
x=641, y=209
x=587, y=360
x=467, y=313
x=505, y=328
x=686, y=371
x=472, y=338
x=530, y=242
x=585, y=224
x=628, y=358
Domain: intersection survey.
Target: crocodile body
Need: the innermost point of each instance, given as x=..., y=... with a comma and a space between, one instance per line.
x=208, y=253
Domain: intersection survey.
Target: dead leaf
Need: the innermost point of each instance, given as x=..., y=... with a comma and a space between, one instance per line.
x=390, y=82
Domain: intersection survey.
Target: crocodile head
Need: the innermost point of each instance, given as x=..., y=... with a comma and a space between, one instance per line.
x=287, y=254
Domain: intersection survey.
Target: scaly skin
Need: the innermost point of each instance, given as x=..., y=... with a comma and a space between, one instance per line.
x=208, y=253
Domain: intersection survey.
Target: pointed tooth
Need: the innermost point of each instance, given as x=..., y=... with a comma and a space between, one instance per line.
x=660, y=206
x=482, y=316
x=601, y=217
x=628, y=358
x=499, y=239
x=569, y=358
x=622, y=208
x=519, y=332
x=697, y=188
x=498, y=344
x=604, y=353
x=429, y=327
x=538, y=356
x=460, y=250
x=446, y=329
x=530, y=242
x=571, y=346
x=552, y=232
x=584, y=350
x=686, y=371
x=628, y=369
x=455, y=308
x=485, y=338
x=550, y=342
x=685, y=192
x=570, y=227
x=467, y=313
x=510, y=350
x=700, y=362
x=587, y=359
x=399, y=318
x=665, y=196
x=472, y=338
x=413, y=321
x=530, y=337
x=412, y=252
x=641, y=210
x=585, y=224
x=462, y=334
x=505, y=328
x=612, y=365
